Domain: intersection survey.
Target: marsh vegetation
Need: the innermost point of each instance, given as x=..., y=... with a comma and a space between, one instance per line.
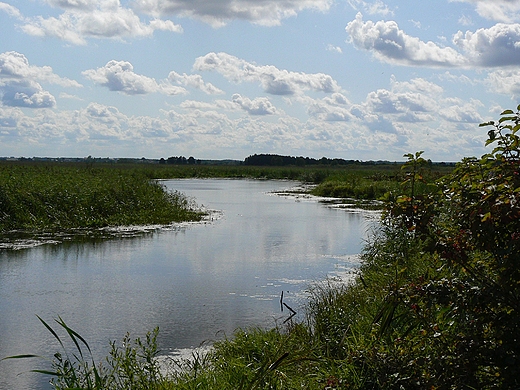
x=54, y=197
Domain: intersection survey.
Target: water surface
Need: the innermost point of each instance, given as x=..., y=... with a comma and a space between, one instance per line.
x=197, y=282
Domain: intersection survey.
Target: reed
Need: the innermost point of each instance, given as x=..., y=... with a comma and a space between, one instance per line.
x=133, y=365
x=58, y=197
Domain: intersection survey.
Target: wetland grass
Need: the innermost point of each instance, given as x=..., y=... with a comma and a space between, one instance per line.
x=55, y=196
x=59, y=197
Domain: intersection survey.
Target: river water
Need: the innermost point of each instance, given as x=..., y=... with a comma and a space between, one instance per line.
x=196, y=282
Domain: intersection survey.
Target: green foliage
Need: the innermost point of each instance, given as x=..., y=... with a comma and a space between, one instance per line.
x=57, y=197
x=131, y=366
x=413, y=208
x=447, y=257
x=356, y=187
x=255, y=359
x=382, y=182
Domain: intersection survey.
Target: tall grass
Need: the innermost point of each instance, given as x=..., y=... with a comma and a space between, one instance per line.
x=55, y=197
x=372, y=182
x=130, y=365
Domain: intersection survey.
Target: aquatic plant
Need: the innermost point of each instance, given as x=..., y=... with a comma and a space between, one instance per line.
x=132, y=364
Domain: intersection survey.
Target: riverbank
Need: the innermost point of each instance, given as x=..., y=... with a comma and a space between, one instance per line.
x=61, y=197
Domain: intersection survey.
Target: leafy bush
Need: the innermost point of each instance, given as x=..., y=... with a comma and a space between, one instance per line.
x=436, y=303
x=464, y=309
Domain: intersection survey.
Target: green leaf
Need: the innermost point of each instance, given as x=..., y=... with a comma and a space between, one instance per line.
x=74, y=336
x=51, y=330
x=52, y=373
x=507, y=118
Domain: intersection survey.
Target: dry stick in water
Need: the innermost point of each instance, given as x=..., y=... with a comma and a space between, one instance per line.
x=282, y=304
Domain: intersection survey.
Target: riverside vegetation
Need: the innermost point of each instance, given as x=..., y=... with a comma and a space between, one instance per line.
x=54, y=196
x=435, y=304
x=57, y=197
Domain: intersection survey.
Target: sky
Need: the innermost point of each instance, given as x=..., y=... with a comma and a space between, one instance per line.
x=225, y=79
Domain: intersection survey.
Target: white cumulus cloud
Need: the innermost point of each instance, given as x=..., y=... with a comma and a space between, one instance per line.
x=257, y=106
x=334, y=108
x=120, y=76
x=389, y=43
x=94, y=19
x=16, y=65
x=273, y=80
x=219, y=13
x=458, y=110
x=491, y=47
x=194, y=81
x=20, y=82
x=504, y=81
x=25, y=93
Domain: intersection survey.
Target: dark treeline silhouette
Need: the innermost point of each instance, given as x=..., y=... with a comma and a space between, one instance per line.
x=277, y=160
x=181, y=160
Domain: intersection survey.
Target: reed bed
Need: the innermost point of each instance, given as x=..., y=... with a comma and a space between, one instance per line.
x=58, y=197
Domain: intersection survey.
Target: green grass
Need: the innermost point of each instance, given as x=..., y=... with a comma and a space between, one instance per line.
x=59, y=197
x=372, y=182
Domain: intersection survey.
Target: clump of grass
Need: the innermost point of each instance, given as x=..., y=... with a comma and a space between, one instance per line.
x=57, y=197
x=132, y=365
x=356, y=189
x=254, y=359
x=371, y=182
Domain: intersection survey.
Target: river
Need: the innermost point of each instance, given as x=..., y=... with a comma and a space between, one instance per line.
x=197, y=282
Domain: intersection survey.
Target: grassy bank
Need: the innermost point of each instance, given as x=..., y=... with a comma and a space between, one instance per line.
x=372, y=182
x=58, y=196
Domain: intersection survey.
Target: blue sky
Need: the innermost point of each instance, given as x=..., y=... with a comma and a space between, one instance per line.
x=219, y=79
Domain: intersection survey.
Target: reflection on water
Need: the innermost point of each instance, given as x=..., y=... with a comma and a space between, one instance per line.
x=196, y=282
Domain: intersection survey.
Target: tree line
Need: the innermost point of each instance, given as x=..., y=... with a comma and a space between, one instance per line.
x=279, y=160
